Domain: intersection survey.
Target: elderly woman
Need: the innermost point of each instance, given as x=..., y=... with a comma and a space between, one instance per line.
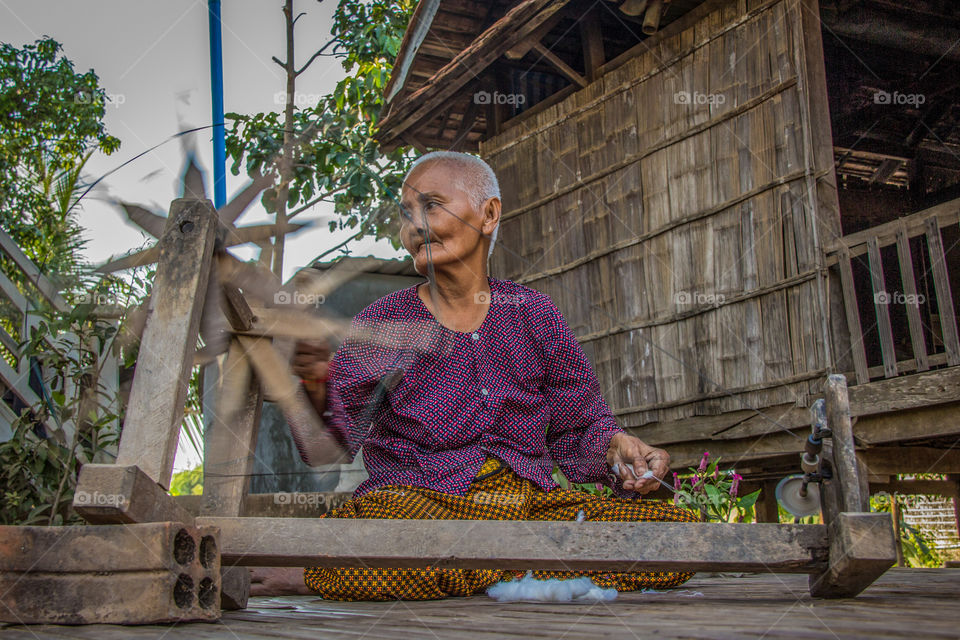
x=464, y=391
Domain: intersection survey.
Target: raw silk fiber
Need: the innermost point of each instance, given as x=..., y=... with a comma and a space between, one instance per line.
x=496, y=493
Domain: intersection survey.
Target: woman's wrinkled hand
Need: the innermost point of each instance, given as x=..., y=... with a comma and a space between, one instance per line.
x=311, y=363
x=627, y=450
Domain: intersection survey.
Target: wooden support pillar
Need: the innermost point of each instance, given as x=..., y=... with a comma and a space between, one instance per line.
x=845, y=465
x=231, y=440
x=895, y=514
x=151, y=429
x=766, y=507
x=956, y=500
x=592, y=39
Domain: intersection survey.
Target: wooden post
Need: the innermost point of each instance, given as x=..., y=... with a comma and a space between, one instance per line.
x=908, y=280
x=862, y=545
x=767, y=509
x=845, y=466
x=941, y=283
x=881, y=305
x=231, y=438
x=895, y=514
x=151, y=429
x=853, y=315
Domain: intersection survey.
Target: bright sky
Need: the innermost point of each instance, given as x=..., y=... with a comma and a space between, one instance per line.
x=153, y=61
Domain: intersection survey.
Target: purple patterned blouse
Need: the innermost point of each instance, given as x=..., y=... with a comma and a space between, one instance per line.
x=464, y=396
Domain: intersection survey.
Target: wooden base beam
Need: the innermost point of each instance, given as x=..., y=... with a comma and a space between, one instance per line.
x=479, y=544
x=862, y=548
x=115, y=494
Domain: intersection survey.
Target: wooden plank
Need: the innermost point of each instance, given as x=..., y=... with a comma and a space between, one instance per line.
x=941, y=282
x=299, y=504
x=515, y=26
x=559, y=64
x=40, y=281
x=862, y=548
x=230, y=440
x=905, y=392
x=909, y=283
x=945, y=488
x=115, y=494
x=853, y=315
x=151, y=429
x=911, y=459
x=478, y=544
x=881, y=305
x=945, y=213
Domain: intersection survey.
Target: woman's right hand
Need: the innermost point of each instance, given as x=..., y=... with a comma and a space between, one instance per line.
x=311, y=363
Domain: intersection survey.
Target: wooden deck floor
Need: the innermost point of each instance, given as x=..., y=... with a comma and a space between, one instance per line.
x=904, y=603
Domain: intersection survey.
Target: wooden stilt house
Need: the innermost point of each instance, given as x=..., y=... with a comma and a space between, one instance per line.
x=728, y=200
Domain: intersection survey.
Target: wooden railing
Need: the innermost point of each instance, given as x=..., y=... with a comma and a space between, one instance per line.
x=942, y=326
x=14, y=368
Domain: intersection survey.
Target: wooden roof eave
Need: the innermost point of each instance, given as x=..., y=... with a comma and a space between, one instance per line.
x=503, y=35
x=417, y=30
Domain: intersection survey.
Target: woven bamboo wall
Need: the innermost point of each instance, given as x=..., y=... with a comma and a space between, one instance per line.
x=677, y=236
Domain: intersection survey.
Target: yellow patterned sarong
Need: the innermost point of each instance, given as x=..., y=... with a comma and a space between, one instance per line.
x=496, y=493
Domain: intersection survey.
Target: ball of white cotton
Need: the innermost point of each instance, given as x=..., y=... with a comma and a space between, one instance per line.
x=532, y=590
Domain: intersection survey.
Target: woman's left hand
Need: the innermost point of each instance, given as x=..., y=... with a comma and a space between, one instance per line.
x=626, y=450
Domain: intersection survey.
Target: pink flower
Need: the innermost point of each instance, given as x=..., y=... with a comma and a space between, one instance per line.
x=735, y=487
x=703, y=462
x=676, y=480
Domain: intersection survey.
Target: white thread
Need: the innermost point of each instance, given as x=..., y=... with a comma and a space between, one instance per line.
x=552, y=590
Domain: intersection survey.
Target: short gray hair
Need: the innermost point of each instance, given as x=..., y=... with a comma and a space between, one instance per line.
x=475, y=178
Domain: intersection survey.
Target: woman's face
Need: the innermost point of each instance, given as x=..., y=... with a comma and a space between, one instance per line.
x=435, y=209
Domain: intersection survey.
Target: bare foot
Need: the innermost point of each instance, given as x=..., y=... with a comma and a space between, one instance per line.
x=278, y=581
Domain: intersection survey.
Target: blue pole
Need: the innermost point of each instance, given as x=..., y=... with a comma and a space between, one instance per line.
x=216, y=99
